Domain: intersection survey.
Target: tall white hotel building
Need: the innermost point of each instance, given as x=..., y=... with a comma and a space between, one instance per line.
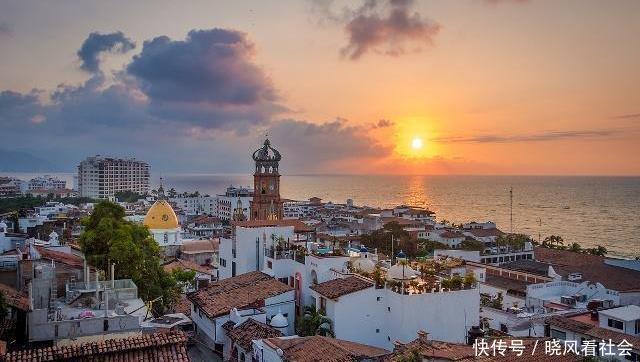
x=101, y=177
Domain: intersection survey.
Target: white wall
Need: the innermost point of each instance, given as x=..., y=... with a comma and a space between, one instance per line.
x=446, y=316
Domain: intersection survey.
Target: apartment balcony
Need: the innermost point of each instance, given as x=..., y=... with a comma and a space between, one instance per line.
x=292, y=253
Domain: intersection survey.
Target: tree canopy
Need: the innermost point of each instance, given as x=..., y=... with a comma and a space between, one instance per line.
x=108, y=238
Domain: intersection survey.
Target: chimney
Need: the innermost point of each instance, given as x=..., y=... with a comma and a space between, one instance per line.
x=423, y=336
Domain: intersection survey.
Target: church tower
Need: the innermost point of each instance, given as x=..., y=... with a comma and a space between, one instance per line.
x=266, y=203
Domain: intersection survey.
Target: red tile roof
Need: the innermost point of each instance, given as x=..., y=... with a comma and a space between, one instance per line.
x=485, y=232
x=591, y=330
x=249, y=330
x=446, y=351
x=200, y=246
x=451, y=235
x=319, y=348
x=336, y=288
x=242, y=291
x=592, y=267
x=146, y=347
x=60, y=257
x=14, y=298
x=186, y=265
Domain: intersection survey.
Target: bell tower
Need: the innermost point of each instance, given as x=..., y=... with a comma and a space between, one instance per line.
x=266, y=203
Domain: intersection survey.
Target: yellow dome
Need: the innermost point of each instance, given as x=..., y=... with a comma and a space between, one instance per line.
x=161, y=216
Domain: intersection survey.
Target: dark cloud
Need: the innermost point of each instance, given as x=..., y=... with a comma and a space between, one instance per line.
x=18, y=109
x=314, y=146
x=210, y=78
x=5, y=30
x=383, y=123
x=627, y=116
x=155, y=108
x=388, y=27
x=536, y=137
x=97, y=43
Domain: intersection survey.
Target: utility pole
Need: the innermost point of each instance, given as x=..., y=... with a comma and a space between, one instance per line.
x=539, y=230
x=392, y=249
x=511, y=209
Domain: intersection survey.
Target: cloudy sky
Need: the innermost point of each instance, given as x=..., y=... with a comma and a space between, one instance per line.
x=485, y=86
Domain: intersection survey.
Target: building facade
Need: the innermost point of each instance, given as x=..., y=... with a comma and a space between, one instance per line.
x=235, y=200
x=101, y=177
x=266, y=203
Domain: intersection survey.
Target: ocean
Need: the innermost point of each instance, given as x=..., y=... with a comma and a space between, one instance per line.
x=588, y=210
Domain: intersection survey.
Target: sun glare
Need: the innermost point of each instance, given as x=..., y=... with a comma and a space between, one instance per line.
x=416, y=143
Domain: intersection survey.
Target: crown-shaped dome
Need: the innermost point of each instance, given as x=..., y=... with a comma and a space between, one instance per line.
x=266, y=153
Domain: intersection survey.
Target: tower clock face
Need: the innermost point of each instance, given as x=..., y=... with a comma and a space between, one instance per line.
x=165, y=217
x=271, y=187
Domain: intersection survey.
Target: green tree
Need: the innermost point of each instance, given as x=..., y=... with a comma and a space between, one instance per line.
x=184, y=278
x=599, y=250
x=314, y=322
x=469, y=280
x=108, y=238
x=575, y=247
x=553, y=241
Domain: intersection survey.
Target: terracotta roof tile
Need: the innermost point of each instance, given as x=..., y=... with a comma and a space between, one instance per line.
x=249, y=330
x=246, y=290
x=485, y=232
x=314, y=348
x=336, y=288
x=200, y=246
x=186, y=265
x=15, y=298
x=591, y=330
x=64, y=258
x=146, y=347
x=592, y=267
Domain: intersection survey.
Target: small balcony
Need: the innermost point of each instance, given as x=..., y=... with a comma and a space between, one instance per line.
x=292, y=253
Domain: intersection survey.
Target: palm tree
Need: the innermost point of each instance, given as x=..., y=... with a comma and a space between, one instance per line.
x=575, y=247
x=554, y=242
x=599, y=250
x=314, y=322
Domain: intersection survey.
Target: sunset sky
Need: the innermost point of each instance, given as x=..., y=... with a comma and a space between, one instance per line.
x=374, y=86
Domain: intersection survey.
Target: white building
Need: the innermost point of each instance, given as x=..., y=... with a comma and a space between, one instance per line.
x=233, y=198
x=392, y=316
x=101, y=177
x=46, y=183
x=196, y=205
x=253, y=295
x=615, y=333
x=245, y=250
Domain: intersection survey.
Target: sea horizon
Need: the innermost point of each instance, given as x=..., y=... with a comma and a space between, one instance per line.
x=589, y=210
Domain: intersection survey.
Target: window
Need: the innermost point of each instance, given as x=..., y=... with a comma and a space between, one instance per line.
x=105, y=325
x=269, y=264
x=378, y=299
x=284, y=280
x=556, y=334
x=614, y=323
x=323, y=304
x=389, y=309
x=377, y=330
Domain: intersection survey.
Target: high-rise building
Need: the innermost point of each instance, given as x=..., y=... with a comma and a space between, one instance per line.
x=233, y=202
x=266, y=203
x=101, y=177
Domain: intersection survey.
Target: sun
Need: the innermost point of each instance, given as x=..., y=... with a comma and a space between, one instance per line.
x=416, y=143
